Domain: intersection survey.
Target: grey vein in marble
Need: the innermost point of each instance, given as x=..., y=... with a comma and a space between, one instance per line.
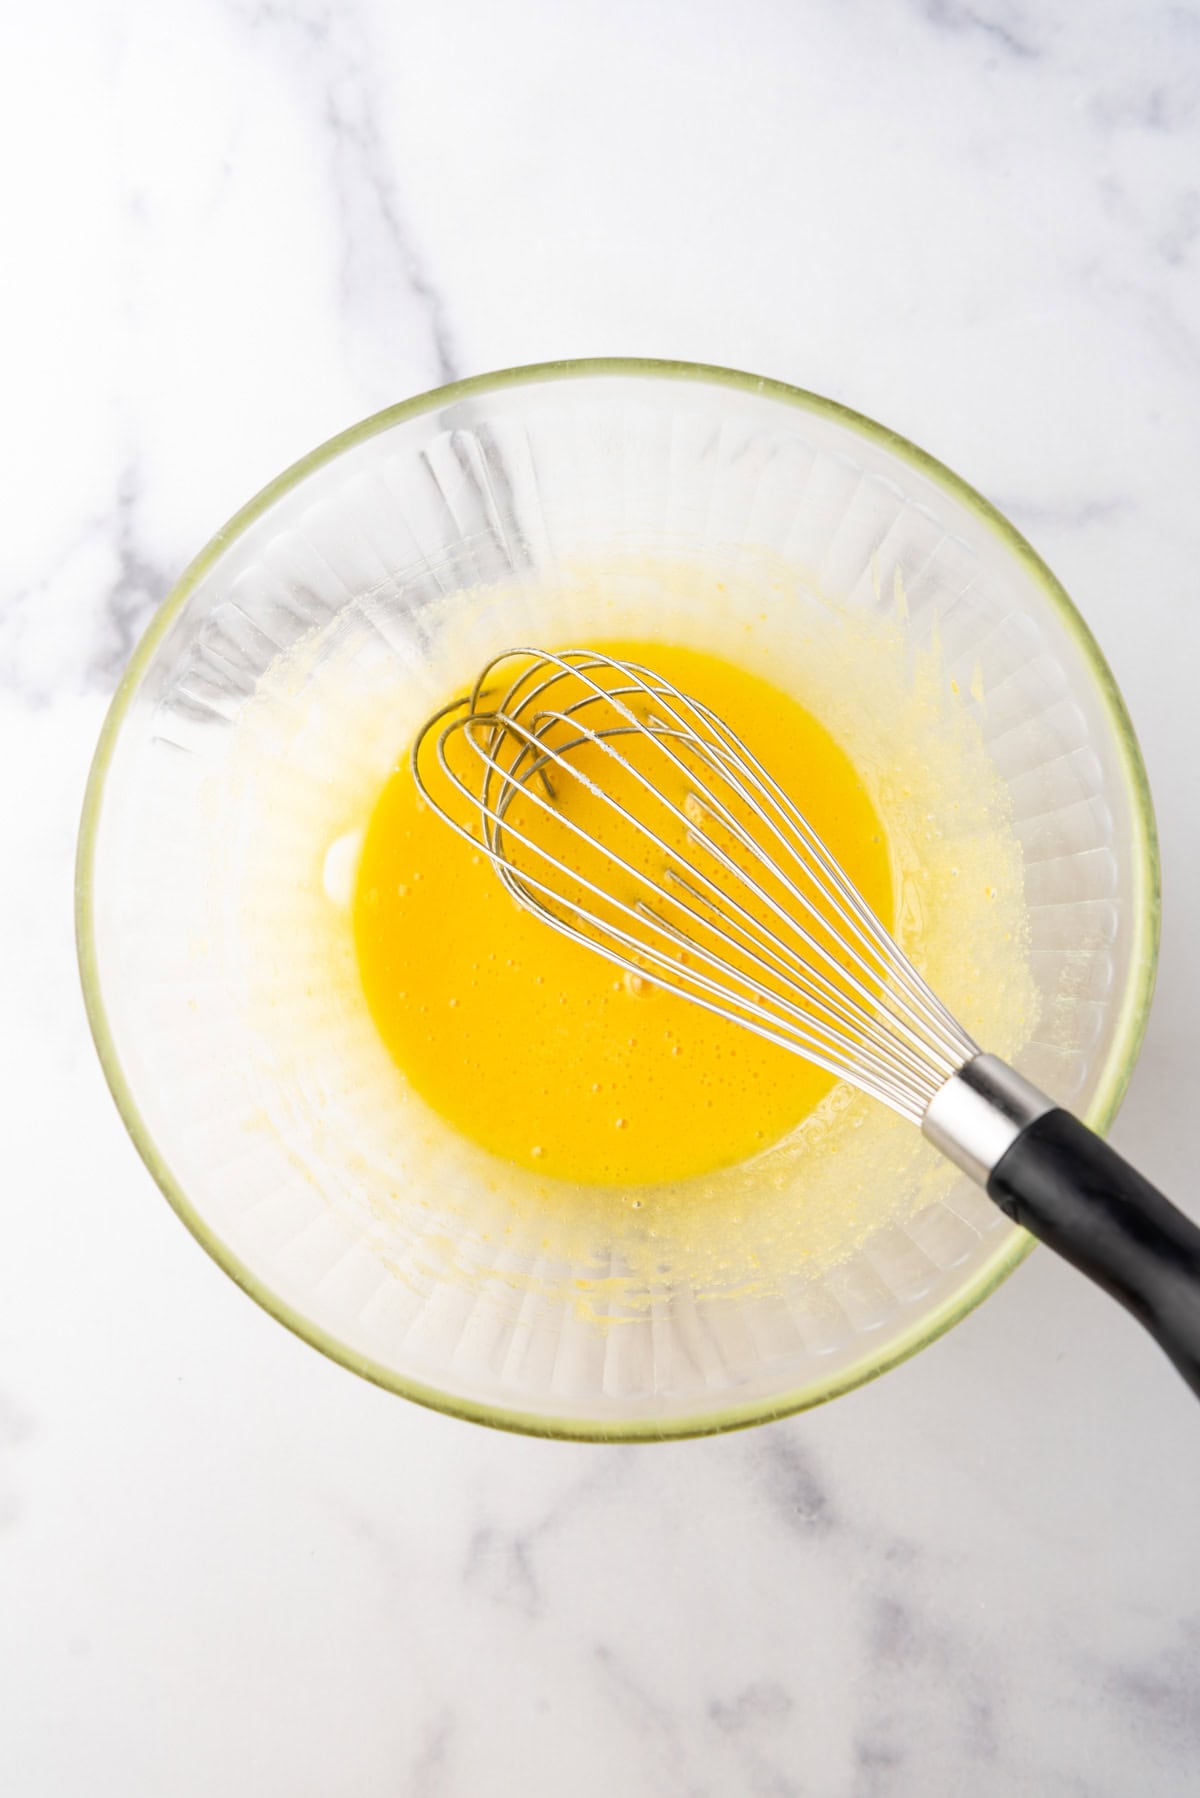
x=327, y=48
x=500, y=1565
x=1162, y=1688
x=791, y=1481
x=1005, y=27
x=430, y=1772
x=139, y=585
x=49, y=643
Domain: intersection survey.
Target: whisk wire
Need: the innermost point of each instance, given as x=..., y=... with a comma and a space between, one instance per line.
x=741, y=940
x=791, y=1030
x=756, y=938
x=924, y=1009
x=874, y=965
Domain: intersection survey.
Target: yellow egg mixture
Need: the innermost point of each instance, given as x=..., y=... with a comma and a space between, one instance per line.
x=545, y=1053
x=380, y=1109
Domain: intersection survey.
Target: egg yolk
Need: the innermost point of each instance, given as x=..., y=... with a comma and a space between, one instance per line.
x=543, y=1052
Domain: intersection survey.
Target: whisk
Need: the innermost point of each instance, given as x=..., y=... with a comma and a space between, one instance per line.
x=630, y=818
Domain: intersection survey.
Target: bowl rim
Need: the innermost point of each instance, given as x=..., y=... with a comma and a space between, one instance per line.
x=1012, y=1248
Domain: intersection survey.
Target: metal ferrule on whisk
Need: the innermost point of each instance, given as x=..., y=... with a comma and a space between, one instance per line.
x=977, y=1116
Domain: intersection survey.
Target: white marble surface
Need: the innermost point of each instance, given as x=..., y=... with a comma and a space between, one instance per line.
x=226, y=1566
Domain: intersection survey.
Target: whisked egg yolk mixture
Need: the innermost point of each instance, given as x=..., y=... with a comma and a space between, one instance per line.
x=548, y=1055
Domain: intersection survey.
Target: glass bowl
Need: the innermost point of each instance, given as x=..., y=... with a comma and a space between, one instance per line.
x=380, y=548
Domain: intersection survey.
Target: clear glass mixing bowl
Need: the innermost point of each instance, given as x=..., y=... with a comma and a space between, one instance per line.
x=381, y=538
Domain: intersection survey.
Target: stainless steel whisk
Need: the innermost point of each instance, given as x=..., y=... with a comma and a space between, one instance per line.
x=630, y=818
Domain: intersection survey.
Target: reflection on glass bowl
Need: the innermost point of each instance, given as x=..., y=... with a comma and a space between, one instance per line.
x=257, y=718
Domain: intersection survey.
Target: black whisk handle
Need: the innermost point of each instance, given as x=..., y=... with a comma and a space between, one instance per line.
x=1062, y=1183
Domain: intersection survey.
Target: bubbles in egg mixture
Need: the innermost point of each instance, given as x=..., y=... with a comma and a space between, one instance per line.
x=541, y=1051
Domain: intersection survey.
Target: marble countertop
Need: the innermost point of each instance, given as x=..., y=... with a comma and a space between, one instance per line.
x=234, y=226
